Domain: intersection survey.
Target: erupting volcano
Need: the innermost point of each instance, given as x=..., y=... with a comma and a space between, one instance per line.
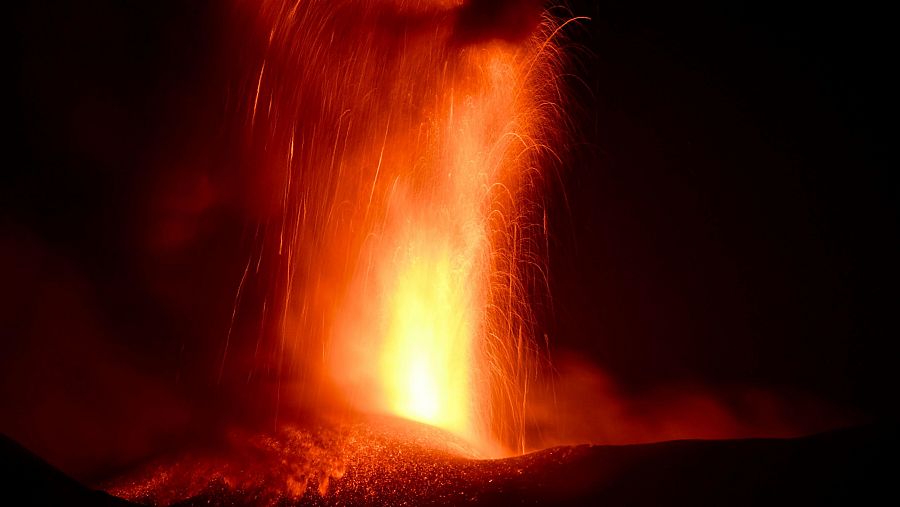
x=282, y=252
x=401, y=150
x=406, y=153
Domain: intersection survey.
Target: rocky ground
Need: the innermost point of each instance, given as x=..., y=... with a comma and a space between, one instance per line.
x=390, y=462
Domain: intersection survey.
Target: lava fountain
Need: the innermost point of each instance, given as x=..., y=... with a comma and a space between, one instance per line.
x=399, y=152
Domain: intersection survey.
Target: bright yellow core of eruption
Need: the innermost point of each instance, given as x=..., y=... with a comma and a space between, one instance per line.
x=426, y=359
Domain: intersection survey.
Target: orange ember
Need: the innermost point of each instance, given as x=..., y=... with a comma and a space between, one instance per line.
x=409, y=236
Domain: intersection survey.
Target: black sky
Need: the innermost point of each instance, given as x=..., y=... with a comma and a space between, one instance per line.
x=733, y=218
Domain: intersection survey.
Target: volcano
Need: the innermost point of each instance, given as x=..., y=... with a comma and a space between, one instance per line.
x=385, y=461
x=432, y=252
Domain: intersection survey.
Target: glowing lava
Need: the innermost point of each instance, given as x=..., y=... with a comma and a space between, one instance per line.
x=437, y=286
x=427, y=355
x=410, y=239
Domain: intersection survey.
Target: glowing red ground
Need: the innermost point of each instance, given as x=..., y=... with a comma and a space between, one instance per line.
x=393, y=462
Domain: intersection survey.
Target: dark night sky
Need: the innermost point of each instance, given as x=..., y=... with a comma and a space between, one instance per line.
x=726, y=214
x=733, y=219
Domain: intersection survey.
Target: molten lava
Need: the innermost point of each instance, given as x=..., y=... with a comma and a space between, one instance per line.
x=429, y=278
x=427, y=355
x=408, y=240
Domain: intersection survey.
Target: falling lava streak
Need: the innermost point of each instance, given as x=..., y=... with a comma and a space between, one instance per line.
x=402, y=232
